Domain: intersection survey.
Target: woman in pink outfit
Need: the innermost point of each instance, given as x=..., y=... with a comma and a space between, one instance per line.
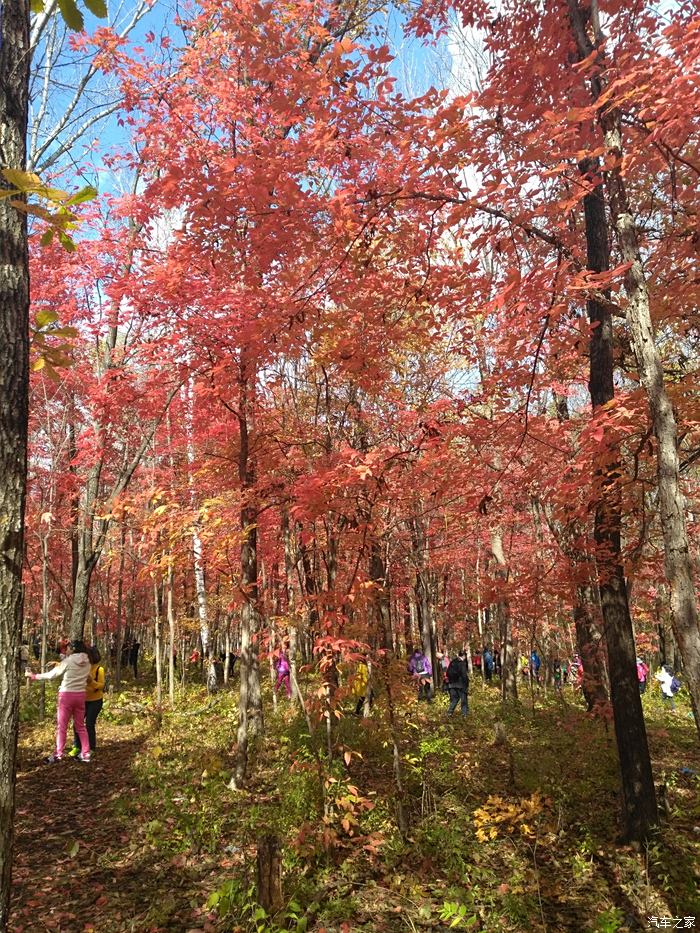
x=75, y=670
x=282, y=668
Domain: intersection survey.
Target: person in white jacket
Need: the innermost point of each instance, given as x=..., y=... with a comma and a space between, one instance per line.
x=665, y=678
x=75, y=670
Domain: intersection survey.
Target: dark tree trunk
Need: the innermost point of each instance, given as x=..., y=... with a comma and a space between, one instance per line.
x=589, y=644
x=678, y=563
x=588, y=636
x=75, y=500
x=639, y=798
x=424, y=603
x=269, y=874
x=14, y=376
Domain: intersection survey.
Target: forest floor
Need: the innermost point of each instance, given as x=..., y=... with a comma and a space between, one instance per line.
x=501, y=837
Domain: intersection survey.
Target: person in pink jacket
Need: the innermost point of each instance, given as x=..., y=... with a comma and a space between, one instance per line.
x=75, y=670
x=283, y=673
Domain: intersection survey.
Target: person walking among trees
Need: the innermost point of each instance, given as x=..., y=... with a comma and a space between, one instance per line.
x=75, y=670
x=458, y=683
x=94, y=697
x=134, y=657
x=283, y=674
x=420, y=668
x=487, y=659
x=444, y=663
x=668, y=695
x=476, y=662
x=361, y=690
x=642, y=675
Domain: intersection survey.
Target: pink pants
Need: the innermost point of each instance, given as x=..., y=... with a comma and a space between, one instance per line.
x=71, y=705
x=284, y=679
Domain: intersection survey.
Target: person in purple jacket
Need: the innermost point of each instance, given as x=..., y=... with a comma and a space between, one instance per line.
x=282, y=668
x=420, y=668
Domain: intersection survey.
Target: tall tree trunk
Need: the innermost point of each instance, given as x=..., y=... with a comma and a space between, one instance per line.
x=198, y=551
x=45, y=604
x=14, y=378
x=290, y=561
x=588, y=637
x=423, y=600
x=678, y=560
x=158, y=612
x=171, y=637
x=639, y=797
x=589, y=644
x=75, y=498
x=509, y=659
x=250, y=702
x=119, y=633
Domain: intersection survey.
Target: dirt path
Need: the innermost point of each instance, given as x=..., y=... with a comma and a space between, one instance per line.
x=67, y=818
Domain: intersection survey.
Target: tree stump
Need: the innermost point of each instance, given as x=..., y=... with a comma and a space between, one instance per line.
x=270, y=874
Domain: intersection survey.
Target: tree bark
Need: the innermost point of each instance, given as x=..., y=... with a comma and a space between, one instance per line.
x=171, y=637
x=589, y=644
x=250, y=702
x=678, y=561
x=423, y=600
x=14, y=377
x=588, y=636
x=289, y=565
x=269, y=874
x=639, y=798
x=509, y=660
x=157, y=616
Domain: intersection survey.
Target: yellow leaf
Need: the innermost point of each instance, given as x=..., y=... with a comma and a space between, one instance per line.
x=45, y=317
x=23, y=181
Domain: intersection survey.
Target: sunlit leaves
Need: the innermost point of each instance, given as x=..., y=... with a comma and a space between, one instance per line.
x=61, y=219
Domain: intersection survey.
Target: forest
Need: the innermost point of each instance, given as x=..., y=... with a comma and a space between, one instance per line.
x=349, y=446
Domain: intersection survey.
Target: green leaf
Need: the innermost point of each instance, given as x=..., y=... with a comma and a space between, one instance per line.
x=45, y=317
x=73, y=848
x=36, y=6
x=66, y=242
x=98, y=8
x=47, y=238
x=70, y=332
x=80, y=197
x=72, y=16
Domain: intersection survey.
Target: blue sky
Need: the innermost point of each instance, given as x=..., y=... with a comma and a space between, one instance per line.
x=416, y=67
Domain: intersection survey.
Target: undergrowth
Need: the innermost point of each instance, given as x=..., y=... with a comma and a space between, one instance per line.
x=501, y=837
